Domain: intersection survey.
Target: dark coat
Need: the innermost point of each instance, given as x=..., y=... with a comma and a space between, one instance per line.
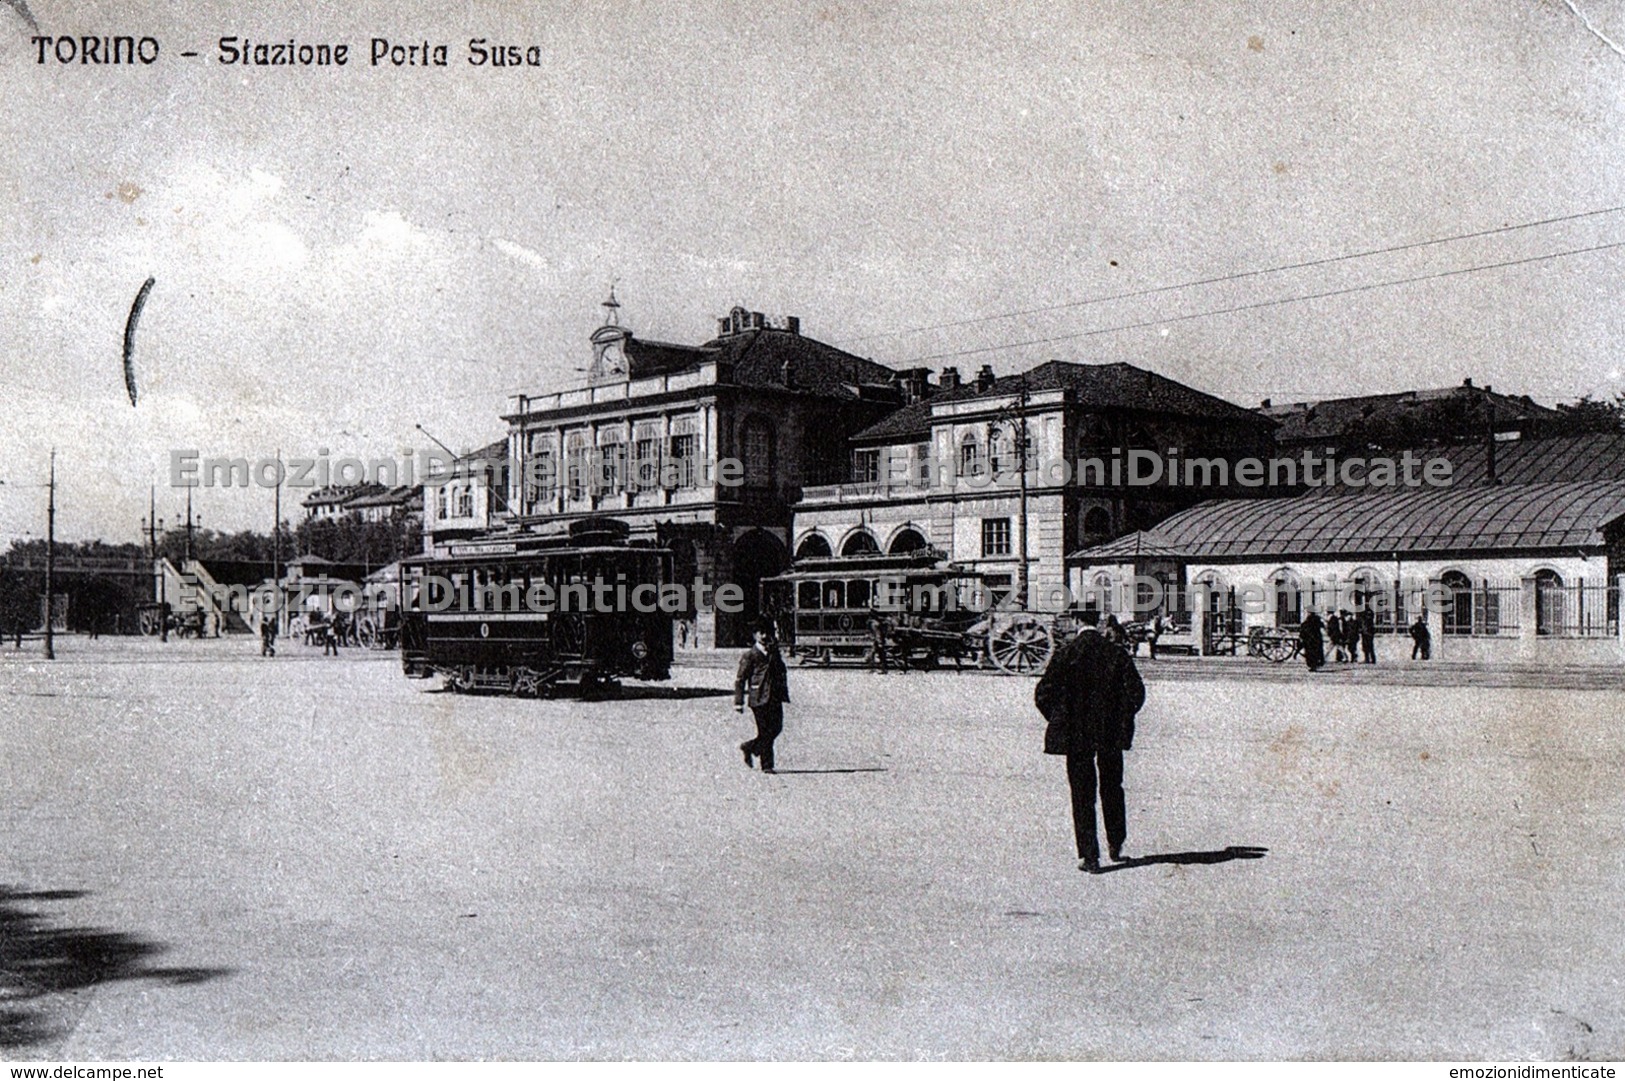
x=762, y=679
x=1089, y=695
x=1314, y=650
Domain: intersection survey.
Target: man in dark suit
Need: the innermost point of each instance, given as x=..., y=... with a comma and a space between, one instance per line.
x=1089, y=696
x=764, y=684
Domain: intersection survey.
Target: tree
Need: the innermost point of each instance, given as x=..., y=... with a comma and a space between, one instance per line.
x=1588, y=414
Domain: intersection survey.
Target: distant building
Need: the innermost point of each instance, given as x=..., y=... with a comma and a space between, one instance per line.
x=1412, y=418
x=473, y=498
x=365, y=502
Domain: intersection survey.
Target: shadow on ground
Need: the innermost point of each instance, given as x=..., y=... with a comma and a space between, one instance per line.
x=623, y=693
x=1223, y=855
x=39, y=961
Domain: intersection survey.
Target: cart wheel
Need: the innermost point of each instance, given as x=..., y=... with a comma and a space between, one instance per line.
x=366, y=633
x=149, y=622
x=1021, y=647
x=1278, y=650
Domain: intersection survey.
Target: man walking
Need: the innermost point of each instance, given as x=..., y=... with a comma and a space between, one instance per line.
x=1089, y=696
x=763, y=683
x=1368, y=635
x=1421, y=639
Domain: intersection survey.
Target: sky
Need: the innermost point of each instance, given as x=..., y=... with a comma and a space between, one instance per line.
x=340, y=254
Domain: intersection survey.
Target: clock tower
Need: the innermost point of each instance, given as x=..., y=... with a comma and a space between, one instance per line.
x=609, y=362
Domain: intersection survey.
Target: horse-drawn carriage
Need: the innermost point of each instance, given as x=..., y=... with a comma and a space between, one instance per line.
x=155, y=617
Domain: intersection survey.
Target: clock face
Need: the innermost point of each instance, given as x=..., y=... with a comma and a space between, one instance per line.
x=613, y=360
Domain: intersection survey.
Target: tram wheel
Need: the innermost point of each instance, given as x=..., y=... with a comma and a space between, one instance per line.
x=462, y=680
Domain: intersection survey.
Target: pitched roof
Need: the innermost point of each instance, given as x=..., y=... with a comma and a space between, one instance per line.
x=1143, y=543
x=1526, y=516
x=760, y=357
x=402, y=496
x=1412, y=416
x=1099, y=386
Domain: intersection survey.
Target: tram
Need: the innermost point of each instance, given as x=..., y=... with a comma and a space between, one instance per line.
x=532, y=614
x=910, y=609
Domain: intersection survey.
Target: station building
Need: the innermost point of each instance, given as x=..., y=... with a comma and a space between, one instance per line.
x=944, y=472
x=642, y=441
x=1524, y=571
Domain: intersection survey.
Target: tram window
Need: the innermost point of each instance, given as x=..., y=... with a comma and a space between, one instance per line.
x=889, y=594
x=807, y=596
x=834, y=595
x=857, y=593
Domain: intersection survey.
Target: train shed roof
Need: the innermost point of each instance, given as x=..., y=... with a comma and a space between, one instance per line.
x=1492, y=518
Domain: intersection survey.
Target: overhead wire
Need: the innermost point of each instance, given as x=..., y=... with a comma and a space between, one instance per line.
x=1274, y=302
x=1236, y=276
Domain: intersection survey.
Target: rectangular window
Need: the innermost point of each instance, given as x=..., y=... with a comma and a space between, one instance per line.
x=685, y=453
x=611, y=465
x=646, y=461
x=865, y=466
x=922, y=464
x=541, y=480
x=995, y=536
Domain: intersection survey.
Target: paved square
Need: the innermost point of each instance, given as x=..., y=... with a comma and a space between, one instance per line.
x=210, y=855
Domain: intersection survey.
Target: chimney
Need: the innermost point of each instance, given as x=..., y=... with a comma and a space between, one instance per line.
x=757, y=320
x=985, y=377
x=1468, y=382
x=949, y=379
x=722, y=327
x=792, y=323
x=1265, y=404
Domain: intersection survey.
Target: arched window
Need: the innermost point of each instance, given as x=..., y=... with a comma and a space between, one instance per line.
x=1550, y=603
x=813, y=546
x=860, y=543
x=1098, y=596
x=1219, y=598
x=1097, y=523
x=909, y=540
x=1458, y=618
x=1370, y=589
x=1288, y=592
x=970, y=457
x=756, y=450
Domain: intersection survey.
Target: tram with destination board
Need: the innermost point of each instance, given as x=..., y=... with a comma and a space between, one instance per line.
x=533, y=614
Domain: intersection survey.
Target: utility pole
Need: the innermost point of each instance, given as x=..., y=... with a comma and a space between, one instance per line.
x=276, y=549
x=1021, y=464
x=188, y=524
x=50, y=562
x=1017, y=420
x=155, y=526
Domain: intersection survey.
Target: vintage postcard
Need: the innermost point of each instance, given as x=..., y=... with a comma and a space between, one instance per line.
x=812, y=531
